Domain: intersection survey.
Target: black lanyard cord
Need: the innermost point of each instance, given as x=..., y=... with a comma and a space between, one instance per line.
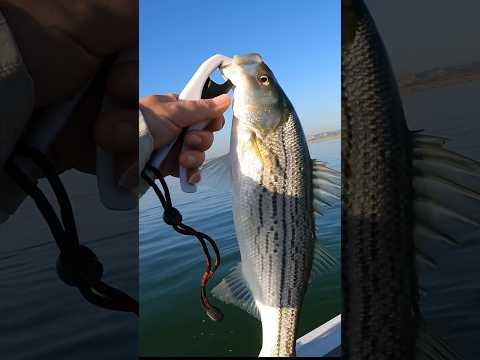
x=41, y=201
x=77, y=265
x=66, y=210
x=172, y=217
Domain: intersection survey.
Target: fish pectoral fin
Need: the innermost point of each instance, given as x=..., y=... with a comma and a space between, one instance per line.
x=233, y=289
x=217, y=173
x=446, y=188
x=326, y=186
x=429, y=347
x=323, y=262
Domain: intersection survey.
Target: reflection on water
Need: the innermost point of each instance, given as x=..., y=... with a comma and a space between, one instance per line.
x=172, y=320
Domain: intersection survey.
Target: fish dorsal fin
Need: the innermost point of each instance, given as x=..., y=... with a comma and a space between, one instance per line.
x=323, y=262
x=217, y=173
x=446, y=189
x=430, y=347
x=233, y=289
x=326, y=186
x=326, y=194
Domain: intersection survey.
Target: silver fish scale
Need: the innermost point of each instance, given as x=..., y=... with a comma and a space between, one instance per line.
x=275, y=226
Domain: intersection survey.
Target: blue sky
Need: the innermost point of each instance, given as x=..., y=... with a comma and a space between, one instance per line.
x=299, y=40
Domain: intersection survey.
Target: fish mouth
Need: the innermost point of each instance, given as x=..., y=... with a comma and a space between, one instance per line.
x=252, y=58
x=228, y=66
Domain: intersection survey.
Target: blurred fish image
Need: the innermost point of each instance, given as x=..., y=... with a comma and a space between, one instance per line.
x=401, y=190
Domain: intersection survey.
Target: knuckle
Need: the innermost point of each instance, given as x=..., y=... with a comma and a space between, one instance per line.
x=172, y=95
x=148, y=99
x=209, y=137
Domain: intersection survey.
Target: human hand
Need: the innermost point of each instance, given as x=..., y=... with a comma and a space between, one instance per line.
x=114, y=128
x=63, y=44
x=166, y=117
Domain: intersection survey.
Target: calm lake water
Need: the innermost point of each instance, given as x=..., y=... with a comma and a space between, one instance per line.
x=172, y=321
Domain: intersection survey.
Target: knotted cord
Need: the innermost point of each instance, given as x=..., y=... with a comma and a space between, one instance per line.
x=172, y=217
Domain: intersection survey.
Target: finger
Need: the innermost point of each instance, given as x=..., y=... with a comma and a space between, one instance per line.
x=166, y=119
x=216, y=124
x=161, y=128
x=117, y=131
x=122, y=82
x=170, y=97
x=191, y=159
x=154, y=101
x=170, y=165
x=185, y=113
x=125, y=170
x=200, y=140
x=74, y=146
x=193, y=176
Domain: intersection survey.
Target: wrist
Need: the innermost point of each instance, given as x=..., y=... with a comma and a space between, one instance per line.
x=145, y=142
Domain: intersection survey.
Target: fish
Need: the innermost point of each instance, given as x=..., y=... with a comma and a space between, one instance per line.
x=401, y=192
x=276, y=189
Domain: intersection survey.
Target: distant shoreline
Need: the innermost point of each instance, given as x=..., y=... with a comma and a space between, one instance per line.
x=326, y=136
x=412, y=83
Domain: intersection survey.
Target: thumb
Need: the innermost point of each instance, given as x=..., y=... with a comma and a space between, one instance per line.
x=185, y=113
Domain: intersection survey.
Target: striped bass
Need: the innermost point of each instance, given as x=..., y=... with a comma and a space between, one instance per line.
x=276, y=189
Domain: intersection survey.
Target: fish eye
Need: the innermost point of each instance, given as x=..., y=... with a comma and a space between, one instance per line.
x=264, y=79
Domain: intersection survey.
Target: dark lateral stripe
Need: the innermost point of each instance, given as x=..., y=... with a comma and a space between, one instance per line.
x=260, y=198
x=284, y=217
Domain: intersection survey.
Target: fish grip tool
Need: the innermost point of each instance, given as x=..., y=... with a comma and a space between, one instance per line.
x=77, y=265
x=174, y=218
